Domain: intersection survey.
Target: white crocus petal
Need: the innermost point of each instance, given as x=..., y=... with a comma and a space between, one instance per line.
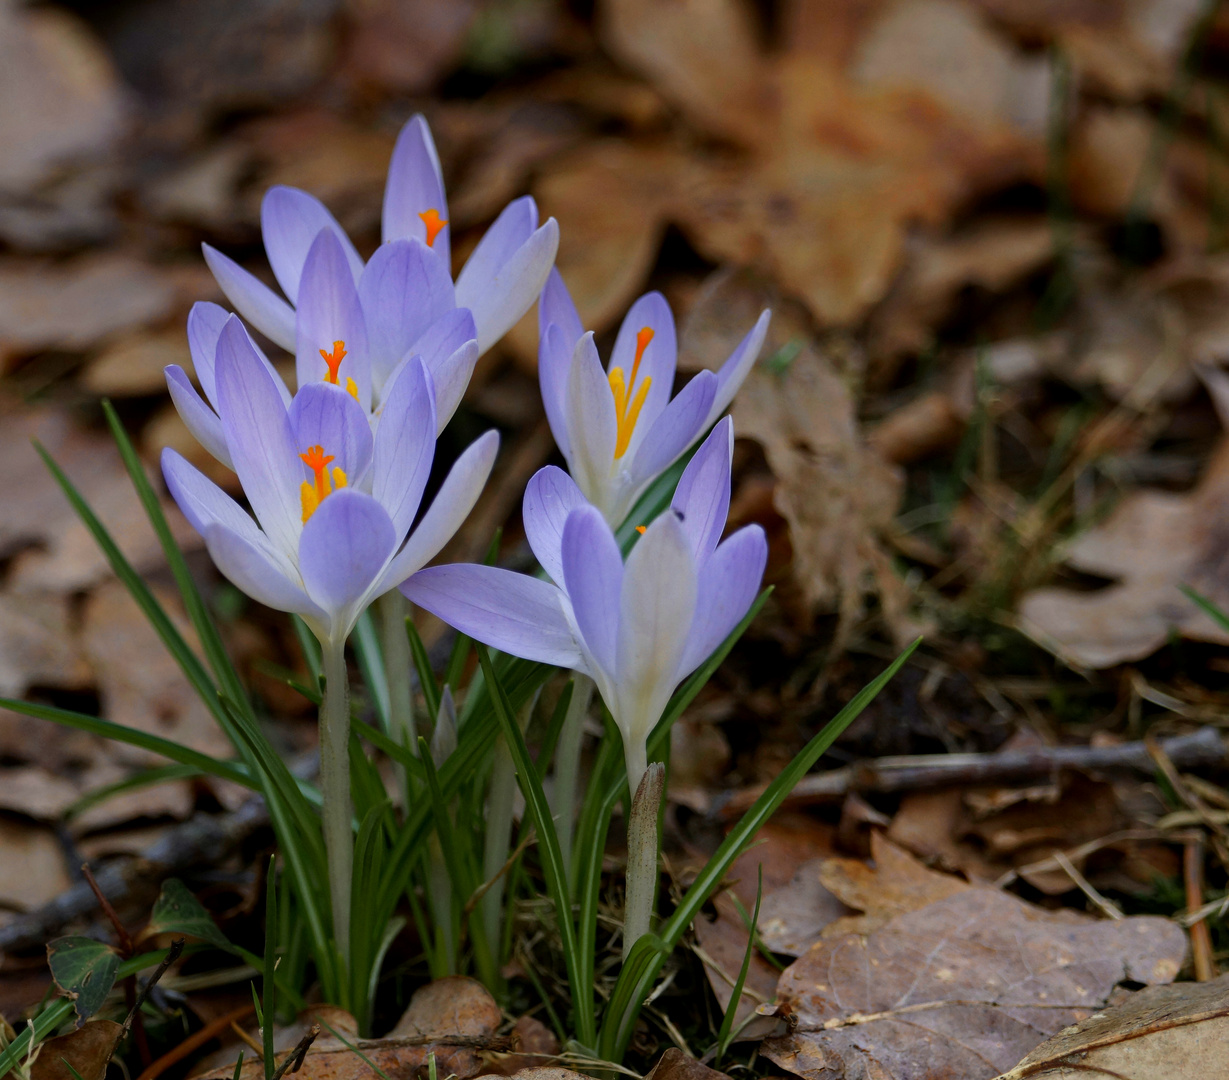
x=656, y=607
x=198, y=417
x=591, y=424
x=251, y=568
x=253, y=299
x=499, y=295
x=449, y=509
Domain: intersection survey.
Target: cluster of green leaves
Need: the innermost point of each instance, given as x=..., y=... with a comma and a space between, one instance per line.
x=443, y=806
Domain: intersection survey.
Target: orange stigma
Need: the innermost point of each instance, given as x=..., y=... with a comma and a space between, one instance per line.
x=334, y=360
x=642, y=529
x=434, y=223
x=627, y=403
x=311, y=495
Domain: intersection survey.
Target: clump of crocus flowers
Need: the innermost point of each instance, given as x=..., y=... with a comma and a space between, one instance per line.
x=334, y=473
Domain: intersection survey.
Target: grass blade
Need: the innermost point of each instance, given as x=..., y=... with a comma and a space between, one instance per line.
x=726, y=1035
x=548, y=842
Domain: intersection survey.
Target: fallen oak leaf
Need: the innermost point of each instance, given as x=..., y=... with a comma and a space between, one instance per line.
x=81, y=1054
x=1156, y=1034
x=961, y=987
x=1152, y=544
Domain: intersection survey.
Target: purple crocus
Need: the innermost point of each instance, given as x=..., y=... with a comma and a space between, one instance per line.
x=333, y=501
x=620, y=429
x=358, y=324
x=636, y=628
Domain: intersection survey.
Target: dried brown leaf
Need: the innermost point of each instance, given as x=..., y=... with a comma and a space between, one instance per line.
x=44, y=873
x=76, y=305
x=81, y=1054
x=1153, y=543
x=675, y=1065
x=962, y=987
x=1159, y=1033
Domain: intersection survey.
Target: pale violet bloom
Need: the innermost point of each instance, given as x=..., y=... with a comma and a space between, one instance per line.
x=357, y=324
x=636, y=628
x=620, y=429
x=333, y=501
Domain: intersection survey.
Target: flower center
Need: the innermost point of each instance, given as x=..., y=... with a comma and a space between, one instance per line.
x=434, y=223
x=628, y=398
x=333, y=360
x=312, y=494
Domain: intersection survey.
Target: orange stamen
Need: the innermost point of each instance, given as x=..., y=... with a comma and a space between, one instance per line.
x=334, y=360
x=434, y=223
x=312, y=495
x=642, y=529
x=628, y=404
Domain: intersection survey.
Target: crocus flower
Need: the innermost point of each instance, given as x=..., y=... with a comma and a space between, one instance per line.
x=620, y=429
x=333, y=501
x=636, y=628
x=356, y=325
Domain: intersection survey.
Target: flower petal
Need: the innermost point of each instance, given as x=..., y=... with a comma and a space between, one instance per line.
x=415, y=185
x=328, y=312
x=729, y=581
x=656, y=607
x=325, y=415
x=702, y=498
x=345, y=545
x=404, y=290
x=405, y=447
x=290, y=220
x=202, y=502
x=205, y=322
x=450, y=507
x=658, y=362
x=514, y=613
x=253, y=299
x=507, y=270
x=550, y=496
x=554, y=363
x=677, y=426
x=556, y=306
x=593, y=580
x=250, y=568
x=198, y=417
x=590, y=423
x=739, y=365
x=259, y=437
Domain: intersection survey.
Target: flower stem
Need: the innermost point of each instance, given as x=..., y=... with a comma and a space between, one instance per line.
x=567, y=765
x=642, y=848
x=393, y=609
x=335, y=789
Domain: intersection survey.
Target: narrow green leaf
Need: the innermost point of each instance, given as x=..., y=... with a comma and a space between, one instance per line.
x=108, y=729
x=84, y=970
x=138, y=781
x=371, y=664
x=548, y=841
x=1209, y=608
x=426, y=677
x=726, y=1034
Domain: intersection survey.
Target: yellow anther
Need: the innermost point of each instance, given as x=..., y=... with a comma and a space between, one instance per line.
x=334, y=360
x=313, y=493
x=628, y=412
x=434, y=223
x=352, y=388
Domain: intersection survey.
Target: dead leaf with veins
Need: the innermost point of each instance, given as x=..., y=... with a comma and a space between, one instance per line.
x=961, y=987
x=1153, y=543
x=1159, y=1033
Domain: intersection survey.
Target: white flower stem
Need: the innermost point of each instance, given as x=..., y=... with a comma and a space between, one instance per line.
x=394, y=609
x=642, y=850
x=335, y=789
x=567, y=765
